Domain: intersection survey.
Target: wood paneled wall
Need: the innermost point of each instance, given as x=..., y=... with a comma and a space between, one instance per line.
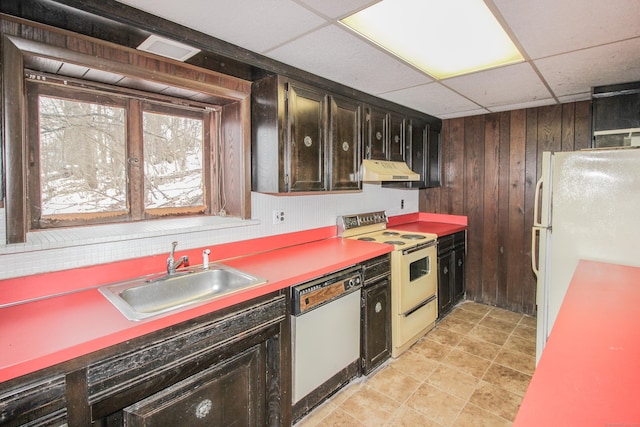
x=491, y=164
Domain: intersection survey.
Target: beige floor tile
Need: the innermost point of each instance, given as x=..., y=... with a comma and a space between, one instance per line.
x=497, y=324
x=520, y=345
x=437, y=405
x=496, y=400
x=476, y=307
x=529, y=321
x=347, y=391
x=430, y=349
x=369, y=406
x=480, y=348
x=518, y=361
x=340, y=418
x=407, y=417
x=453, y=381
x=505, y=315
x=394, y=383
x=473, y=416
x=456, y=325
x=467, y=363
x=317, y=415
x=491, y=335
x=507, y=378
x=445, y=336
x=525, y=332
x=468, y=316
x=414, y=364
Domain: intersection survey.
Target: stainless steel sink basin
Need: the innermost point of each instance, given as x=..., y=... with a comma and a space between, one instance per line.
x=145, y=297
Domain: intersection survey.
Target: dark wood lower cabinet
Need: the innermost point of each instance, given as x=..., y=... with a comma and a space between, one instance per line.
x=222, y=395
x=376, y=313
x=451, y=271
x=231, y=367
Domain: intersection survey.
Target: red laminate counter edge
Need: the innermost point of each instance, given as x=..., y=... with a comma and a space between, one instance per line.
x=422, y=222
x=42, y=333
x=588, y=373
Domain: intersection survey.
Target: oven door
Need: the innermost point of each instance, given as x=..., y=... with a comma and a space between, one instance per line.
x=418, y=276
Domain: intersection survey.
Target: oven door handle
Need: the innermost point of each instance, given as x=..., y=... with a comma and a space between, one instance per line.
x=419, y=306
x=419, y=247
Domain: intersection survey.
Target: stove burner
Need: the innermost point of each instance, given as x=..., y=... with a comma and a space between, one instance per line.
x=390, y=233
x=367, y=239
x=413, y=236
x=395, y=242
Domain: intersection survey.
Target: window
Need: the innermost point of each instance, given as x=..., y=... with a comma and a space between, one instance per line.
x=100, y=156
x=164, y=139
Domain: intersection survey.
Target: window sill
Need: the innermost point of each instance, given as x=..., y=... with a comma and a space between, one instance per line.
x=89, y=235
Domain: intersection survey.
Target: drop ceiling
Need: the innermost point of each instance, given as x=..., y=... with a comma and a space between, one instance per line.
x=569, y=47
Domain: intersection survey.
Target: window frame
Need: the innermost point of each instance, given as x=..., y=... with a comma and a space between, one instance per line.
x=134, y=106
x=232, y=174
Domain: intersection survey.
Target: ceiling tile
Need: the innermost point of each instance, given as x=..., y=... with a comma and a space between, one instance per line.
x=334, y=53
x=577, y=72
x=549, y=27
x=337, y=9
x=500, y=86
x=521, y=105
x=254, y=25
x=433, y=99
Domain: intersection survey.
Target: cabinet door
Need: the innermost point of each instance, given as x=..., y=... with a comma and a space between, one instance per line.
x=306, y=154
x=396, y=138
x=458, y=274
x=444, y=283
x=224, y=395
x=434, y=157
x=376, y=134
x=376, y=341
x=345, y=132
x=417, y=132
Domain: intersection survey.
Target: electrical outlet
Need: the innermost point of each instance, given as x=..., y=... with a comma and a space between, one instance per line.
x=278, y=216
x=402, y=204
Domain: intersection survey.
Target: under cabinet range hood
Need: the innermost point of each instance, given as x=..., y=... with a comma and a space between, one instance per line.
x=385, y=170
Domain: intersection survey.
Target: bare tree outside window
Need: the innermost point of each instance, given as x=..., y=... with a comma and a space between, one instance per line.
x=82, y=157
x=173, y=161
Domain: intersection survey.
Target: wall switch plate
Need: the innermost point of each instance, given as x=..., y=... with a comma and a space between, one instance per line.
x=278, y=216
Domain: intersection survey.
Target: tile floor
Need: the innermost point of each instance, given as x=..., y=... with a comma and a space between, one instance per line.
x=472, y=369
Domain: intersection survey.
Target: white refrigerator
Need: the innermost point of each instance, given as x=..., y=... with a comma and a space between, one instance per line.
x=587, y=206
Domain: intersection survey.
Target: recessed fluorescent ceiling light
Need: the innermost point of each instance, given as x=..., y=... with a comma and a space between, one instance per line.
x=442, y=38
x=167, y=48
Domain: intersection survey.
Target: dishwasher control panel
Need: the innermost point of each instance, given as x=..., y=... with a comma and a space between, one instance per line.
x=321, y=291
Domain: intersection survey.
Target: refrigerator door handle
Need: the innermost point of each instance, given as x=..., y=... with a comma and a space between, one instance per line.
x=537, y=214
x=535, y=231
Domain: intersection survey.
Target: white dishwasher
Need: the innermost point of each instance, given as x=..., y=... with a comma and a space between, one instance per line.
x=325, y=332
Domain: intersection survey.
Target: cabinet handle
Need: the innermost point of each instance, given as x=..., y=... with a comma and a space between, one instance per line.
x=445, y=270
x=378, y=307
x=459, y=262
x=307, y=141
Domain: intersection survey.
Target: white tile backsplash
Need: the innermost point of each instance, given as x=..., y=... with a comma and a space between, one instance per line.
x=61, y=249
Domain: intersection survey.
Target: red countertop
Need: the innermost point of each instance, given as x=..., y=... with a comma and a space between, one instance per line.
x=588, y=374
x=439, y=224
x=41, y=333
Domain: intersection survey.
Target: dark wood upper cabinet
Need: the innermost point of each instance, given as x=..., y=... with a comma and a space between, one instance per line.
x=304, y=139
x=305, y=164
x=396, y=142
x=345, y=142
x=435, y=157
x=376, y=134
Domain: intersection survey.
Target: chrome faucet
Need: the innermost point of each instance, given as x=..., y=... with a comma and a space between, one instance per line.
x=172, y=264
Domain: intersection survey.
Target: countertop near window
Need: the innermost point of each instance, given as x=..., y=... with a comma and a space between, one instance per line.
x=42, y=333
x=588, y=374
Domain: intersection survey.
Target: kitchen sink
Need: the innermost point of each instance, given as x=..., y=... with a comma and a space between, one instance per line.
x=150, y=296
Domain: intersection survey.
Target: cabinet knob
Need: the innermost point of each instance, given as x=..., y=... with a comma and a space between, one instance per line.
x=459, y=262
x=446, y=270
x=378, y=307
x=307, y=141
x=203, y=408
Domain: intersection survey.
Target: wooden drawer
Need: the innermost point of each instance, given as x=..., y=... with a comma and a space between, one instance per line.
x=222, y=395
x=41, y=403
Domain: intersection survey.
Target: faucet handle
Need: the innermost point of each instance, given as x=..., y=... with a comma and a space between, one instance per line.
x=205, y=258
